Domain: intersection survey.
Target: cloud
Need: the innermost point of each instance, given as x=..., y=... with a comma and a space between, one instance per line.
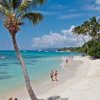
x=53, y=10
x=92, y=7
x=48, y=13
x=95, y=6
x=97, y=1
x=55, y=40
x=68, y=31
x=58, y=6
x=70, y=16
x=49, y=41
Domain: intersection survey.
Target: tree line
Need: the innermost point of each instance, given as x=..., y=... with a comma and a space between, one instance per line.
x=91, y=29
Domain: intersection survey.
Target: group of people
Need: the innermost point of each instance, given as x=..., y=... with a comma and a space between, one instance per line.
x=69, y=59
x=54, y=75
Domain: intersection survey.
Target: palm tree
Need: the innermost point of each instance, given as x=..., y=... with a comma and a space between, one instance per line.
x=94, y=29
x=14, y=11
x=76, y=32
x=85, y=28
x=90, y=28
x=80, y=31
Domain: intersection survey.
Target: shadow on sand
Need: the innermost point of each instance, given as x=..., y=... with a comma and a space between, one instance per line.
x=50, y=98
x=55, y=98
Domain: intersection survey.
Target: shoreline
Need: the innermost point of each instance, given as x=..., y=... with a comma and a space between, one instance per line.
x=45, y=85
x=79, y=70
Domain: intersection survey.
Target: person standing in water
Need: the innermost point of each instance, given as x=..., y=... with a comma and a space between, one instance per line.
x=56, y=75
x=52, y=75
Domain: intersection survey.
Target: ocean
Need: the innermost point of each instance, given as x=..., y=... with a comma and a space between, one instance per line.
x=39, y=64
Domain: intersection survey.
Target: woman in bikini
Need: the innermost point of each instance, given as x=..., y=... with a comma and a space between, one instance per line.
x=56, y=75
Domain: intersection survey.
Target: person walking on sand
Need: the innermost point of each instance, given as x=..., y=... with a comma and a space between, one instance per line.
x=66, y=60
x=52, y=75
x=56, y=75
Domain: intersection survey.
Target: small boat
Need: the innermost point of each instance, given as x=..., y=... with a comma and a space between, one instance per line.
x=39, y=50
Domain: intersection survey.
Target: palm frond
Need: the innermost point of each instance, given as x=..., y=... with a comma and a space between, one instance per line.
x=5, y=4
x=3, y=10
x=27, y=6
x=33, y=17
x=14, y=4
x=24, y=5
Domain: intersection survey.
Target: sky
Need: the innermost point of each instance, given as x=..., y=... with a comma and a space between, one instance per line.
x=54, y=31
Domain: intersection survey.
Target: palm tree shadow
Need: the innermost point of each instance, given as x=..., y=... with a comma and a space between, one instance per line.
x=57, y=98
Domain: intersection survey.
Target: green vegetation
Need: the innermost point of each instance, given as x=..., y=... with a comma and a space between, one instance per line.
x=90, y=28
x=69, y=49
x=95, y=50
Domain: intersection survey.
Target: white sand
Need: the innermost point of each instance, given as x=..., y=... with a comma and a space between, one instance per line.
x=88, y=87
x=85, y=85
x=78, y=80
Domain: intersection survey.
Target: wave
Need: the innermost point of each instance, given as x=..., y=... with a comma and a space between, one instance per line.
x=24, y=51
x=3, y=57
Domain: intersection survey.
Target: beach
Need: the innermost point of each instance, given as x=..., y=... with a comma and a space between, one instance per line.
x=56, y=56
x=78, y=80
x=39, y=64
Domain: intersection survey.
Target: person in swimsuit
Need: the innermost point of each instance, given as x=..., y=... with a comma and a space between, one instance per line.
x=66, y=61
x=52, y=75
x=56, y=75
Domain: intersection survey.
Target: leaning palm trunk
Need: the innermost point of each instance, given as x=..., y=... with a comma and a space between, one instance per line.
x=78, y=41
x=27, y=80
x=85, y=42
x=14, y=12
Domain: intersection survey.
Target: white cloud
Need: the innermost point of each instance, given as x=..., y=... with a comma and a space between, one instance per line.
x=68, y=31
x=97, y=1
x=49, y=41
x=55, y=40
x=48, y=13
x=92, y=7
x=58, y=6
x=70, y=16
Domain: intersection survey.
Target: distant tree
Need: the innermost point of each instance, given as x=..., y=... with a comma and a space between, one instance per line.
x=95, y=50
x=80, y=31
x=76, y=32
x=94, y=29
x=90, y=28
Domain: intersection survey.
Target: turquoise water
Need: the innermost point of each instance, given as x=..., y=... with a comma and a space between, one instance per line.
x=39, y=65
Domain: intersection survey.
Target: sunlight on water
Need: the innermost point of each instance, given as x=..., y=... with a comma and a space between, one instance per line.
x=39, y=65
